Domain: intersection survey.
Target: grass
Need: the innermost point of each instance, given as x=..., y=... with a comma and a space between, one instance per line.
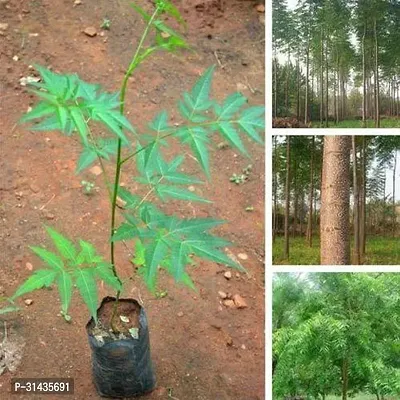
x=380, y=250
x=359, y=397
x=385, y=123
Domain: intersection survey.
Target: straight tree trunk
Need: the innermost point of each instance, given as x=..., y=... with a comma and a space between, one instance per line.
x=326, y=85
x=306, y=90
x=321, y=108
x=335, y=201
x=287, y=199
x=275, y=84
x=363, y=208
x=377, y=113
x=296, y=201
x=394, y=193
x=310, y=206
x=364, y=115
x=356, y=256
x=275, y=172
x=298, y=88
x=287, y=84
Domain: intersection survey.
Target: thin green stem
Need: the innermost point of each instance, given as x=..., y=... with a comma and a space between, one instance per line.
x=133, y=65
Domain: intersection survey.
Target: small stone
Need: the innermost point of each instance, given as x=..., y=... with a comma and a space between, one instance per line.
x=243, y=256
x=90, y=31
x=77, y=2
x=228, y=275
x=243, y=347
x=124, y=319
x=222, y=295
x=50, y=216
x=28, y=302
x=241, y=87
x=229, y=340
x=260, y=8
x=180, y=314
x=3, y=26
x=34, y=188
x=223, y=146
x=29, y=266
x=15, y=58
x=229, y=303
x=191, y=188
x=239, y=301
x=165, y=35
x=96, y=170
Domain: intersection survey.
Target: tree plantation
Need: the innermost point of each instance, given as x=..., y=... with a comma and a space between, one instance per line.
x=336, y=336
x=336, y=63
x=335, y=200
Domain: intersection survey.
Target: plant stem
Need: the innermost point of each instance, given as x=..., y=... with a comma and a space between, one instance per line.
x=133, y=65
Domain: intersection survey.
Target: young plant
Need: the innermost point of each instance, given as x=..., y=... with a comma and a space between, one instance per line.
x=70, y=105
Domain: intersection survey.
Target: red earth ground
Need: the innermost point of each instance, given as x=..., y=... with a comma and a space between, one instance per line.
x=201, y=349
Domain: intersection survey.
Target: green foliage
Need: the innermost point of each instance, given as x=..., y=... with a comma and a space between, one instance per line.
x=70, y=267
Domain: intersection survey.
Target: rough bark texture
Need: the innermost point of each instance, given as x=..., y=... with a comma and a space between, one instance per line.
x=335, y=201
x=356, y=260
x=310, y=207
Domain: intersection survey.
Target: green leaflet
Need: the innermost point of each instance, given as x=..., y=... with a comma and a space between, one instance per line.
x=155, y=252
x=86, y=159
x=80, y=123
x=43, y=108
x=197, y=225
x=104, y=271
x=228, y=131
x=231, y=106
x=201, y=90
x=140, y=254
x=51, y=259
x=63, y=245
x=40, y=278
x=64, y=283
x=160, y=122
x=125, y=232
x=165, y=191
x=88, y=289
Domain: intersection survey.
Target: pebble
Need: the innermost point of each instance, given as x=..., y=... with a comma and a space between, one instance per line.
x=96, y=170
x=243, y=347
x=29, y=266
x=239, y=301
x=15, y=58
x=34, y=188
x=229, y=303
x=191, y=188
x=3, y=26
x=180, y=314
x=121, y=203
x=50, y=216
x=77, y=2
x=228, y=275
x=90, y=31
x=222, y=295
x=243, y=256
x=260, y=8
x=28, y=302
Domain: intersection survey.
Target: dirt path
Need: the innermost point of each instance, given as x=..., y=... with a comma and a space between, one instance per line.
x=211, y=352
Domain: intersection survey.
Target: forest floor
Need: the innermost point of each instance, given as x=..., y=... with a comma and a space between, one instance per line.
x=355, y=123
x=201, y=349
x=380, y=250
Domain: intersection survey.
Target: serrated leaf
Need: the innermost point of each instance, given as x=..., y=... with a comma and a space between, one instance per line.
x=63, y=116
x=231, y=106
x=160, y=122
x=86, y=159
x=155, y=252
x=125, y=232
x=178, y=193
x=89, y=252
x=105, y=272
x=49, y=124
x=198, y=225
x=51, y=259
x=140, y=11
x=87, y=287
x=178, y=257
x=228, y=131
x=41, y=110
x=150, y=156
x=201, y=90
x=39, y=279
x=64, y=283
x=140, y=251
x=113, y=126
x=170, y=9
x=63, y=245
x=80, y=123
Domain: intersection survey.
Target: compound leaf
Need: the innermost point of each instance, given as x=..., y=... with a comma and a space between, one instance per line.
x=88, y=289
x=63, y=245
x=40, y=278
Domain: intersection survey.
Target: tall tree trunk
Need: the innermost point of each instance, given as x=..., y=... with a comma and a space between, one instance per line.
x=364, y=115
x=326, y=85
x=345, y=378
x=310, y=206
x=394, y=193
x=363, y=208
x=307, y=75
x=287, y=199
x=275, y=84
x=356, y=252
x=296, y=200
x=377, y=114
x=335, y=201
x=287, y=85
x=298, y=87
x=275, y=172
x=321, y=108
x=301, y=213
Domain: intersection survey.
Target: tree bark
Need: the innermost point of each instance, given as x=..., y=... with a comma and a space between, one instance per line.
x=356, y=257
x=307, y=74
x=364, y=115
x=275, y=172
x=363, y=208
x=296, y=200
x=310, y=207
x=287, y=199
x=377, y=113
x=335, y=201
x=326, y=85
x=394, y=193
x=321, y=108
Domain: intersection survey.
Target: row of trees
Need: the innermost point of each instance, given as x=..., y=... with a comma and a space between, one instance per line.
x=333, y=47
x=313, y=177
x=336, y=333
